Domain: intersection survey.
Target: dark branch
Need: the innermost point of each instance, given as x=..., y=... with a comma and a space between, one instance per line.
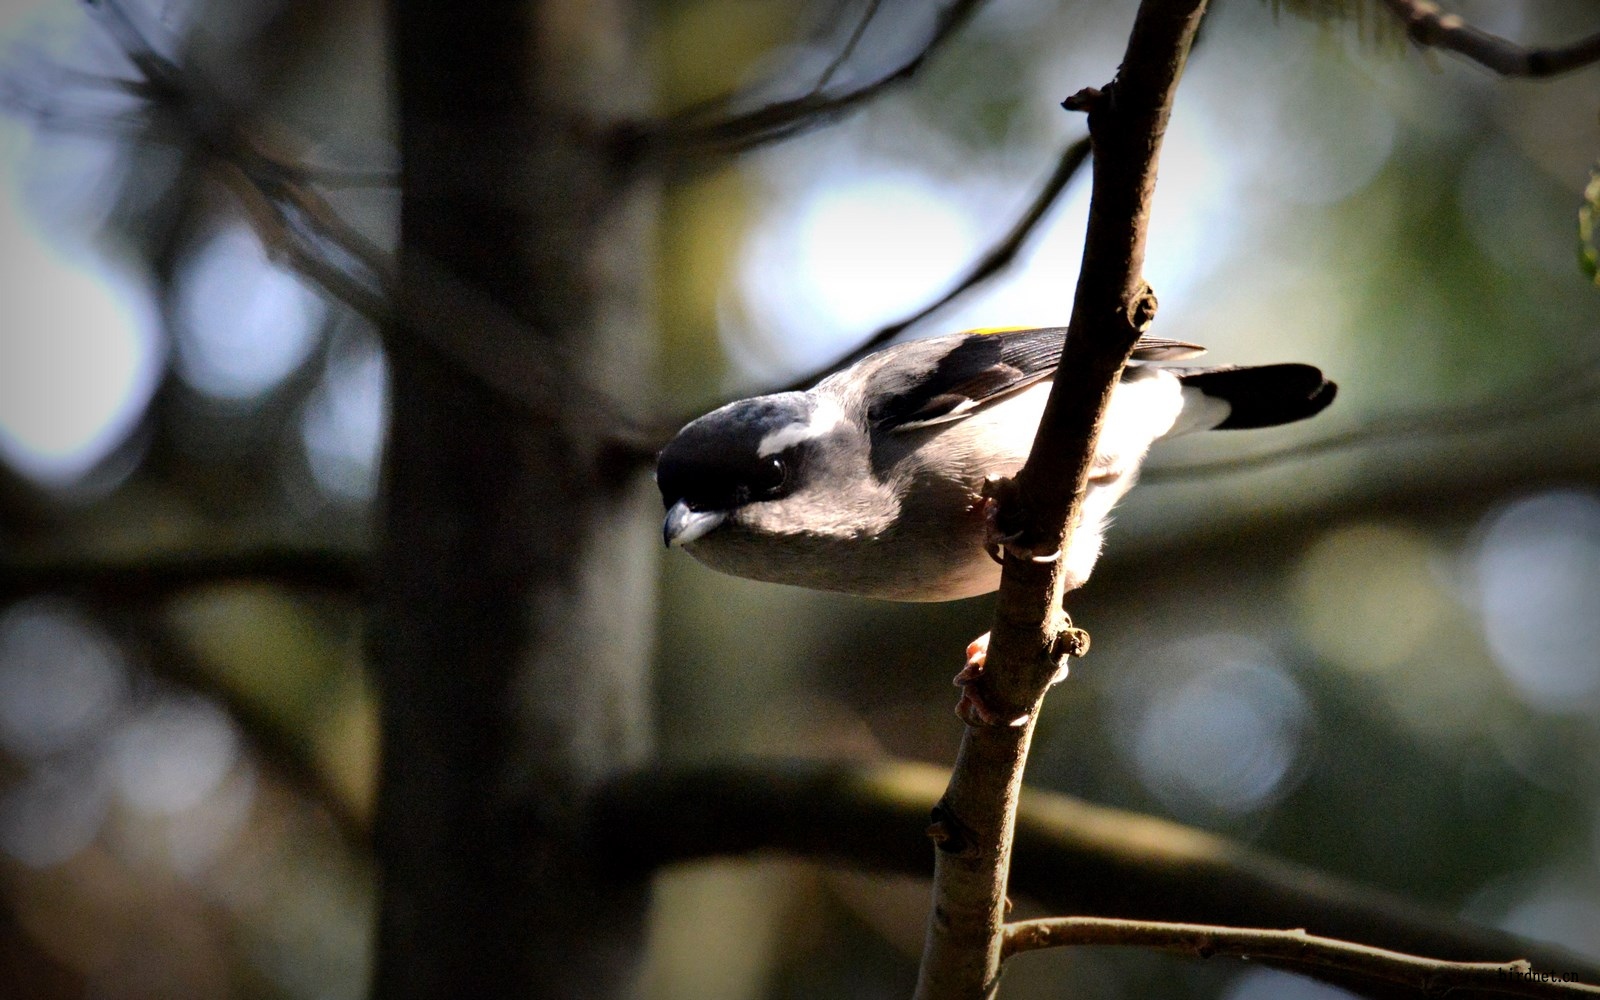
x=1296, y=949
x=298, y=225
x=294, y=222
x=1431, y=27
x=1071, y=856
x=150, y=578
x=297, y=239
x=712, y=131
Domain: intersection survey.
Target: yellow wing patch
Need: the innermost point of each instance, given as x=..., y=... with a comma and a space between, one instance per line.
x=984, y=331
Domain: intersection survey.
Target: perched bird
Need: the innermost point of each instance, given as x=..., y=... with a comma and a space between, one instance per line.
x=871, y=482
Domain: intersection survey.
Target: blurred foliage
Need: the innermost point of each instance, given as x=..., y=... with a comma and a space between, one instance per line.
x=1303, y=657
x=1371, y=18
x=705, y=51
x=701, y=233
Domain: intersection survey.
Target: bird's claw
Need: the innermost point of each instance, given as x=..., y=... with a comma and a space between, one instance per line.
x=998, y=493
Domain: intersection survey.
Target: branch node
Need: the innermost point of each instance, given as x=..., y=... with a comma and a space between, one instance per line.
x=1070, y=643
x=949, y=834
x=1084, y=100
x=1142, y=308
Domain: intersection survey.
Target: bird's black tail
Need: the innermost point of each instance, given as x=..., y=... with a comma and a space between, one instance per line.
x=1263, y=395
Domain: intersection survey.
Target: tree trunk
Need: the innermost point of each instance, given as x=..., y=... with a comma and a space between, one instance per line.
x=514, y=599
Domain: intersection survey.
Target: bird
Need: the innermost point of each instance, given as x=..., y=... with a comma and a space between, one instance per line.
x=872, y=482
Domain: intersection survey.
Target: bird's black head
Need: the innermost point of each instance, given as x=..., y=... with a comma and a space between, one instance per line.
x=751, y=450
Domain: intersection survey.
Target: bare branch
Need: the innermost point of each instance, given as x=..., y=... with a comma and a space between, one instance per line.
x=974, y=821
x=711, y=131
x=1296, y=948
x=295, y=224
x=1429, y=26
x=332, y=178
x=294, y=221
x=300, y=227
x=155, y=577
x=294, y=239
x=996, y=259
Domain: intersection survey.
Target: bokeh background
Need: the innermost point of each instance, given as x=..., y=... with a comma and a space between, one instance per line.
x=1370, y=643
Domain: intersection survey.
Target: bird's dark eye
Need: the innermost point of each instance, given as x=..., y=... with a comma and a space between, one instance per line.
x=771, y=476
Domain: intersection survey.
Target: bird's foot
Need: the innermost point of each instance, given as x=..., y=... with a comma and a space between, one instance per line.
x=1000, y=494
x=1071, y=641
x=972, y=709
x=977, y=655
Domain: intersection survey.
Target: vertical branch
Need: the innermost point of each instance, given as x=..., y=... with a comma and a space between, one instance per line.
x=510, y=633
x=974, y=821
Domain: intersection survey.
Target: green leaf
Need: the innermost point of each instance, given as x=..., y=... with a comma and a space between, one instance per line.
x=1588, y=253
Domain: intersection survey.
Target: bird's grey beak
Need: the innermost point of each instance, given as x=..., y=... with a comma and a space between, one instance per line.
x=683, y=525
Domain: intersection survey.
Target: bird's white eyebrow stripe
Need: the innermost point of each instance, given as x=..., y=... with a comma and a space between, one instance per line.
x=825, y=417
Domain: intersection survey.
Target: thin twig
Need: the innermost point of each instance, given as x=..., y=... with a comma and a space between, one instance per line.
x=994, y=260
x=1431, y=27
x=331, y=178
x=848, y=49
x=298, y=225
x=295, y=222
x=711, y=131
x=301, y=249
x=1429, y=976
x=975, y=820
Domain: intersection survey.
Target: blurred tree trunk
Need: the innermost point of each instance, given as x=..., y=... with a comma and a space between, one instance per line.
x=514, y=602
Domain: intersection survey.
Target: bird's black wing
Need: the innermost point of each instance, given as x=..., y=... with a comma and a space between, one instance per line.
x=943, y=379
